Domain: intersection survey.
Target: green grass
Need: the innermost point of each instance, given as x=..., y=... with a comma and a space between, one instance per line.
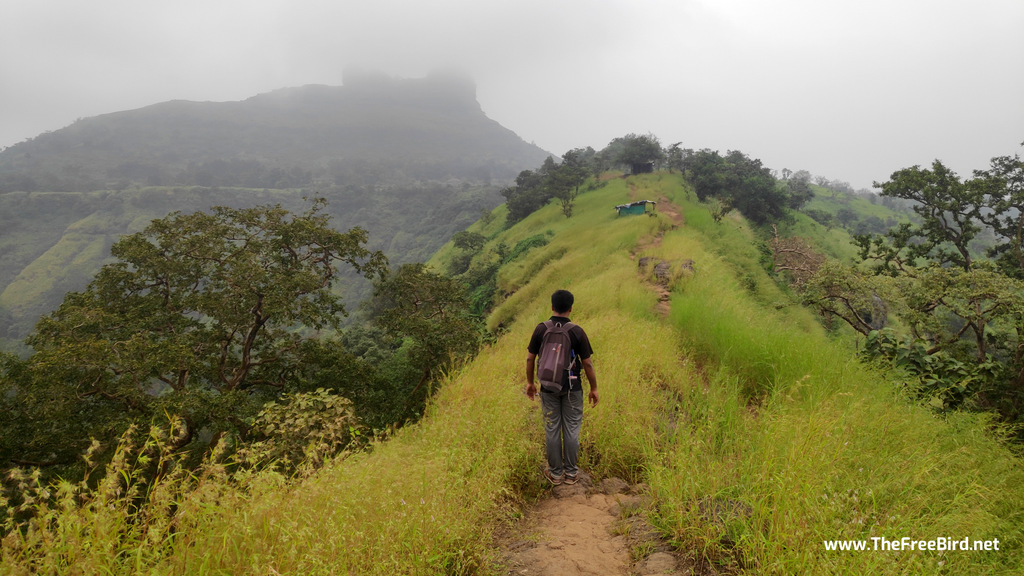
x=836, y=242
x=759, y=435
x=831, y=202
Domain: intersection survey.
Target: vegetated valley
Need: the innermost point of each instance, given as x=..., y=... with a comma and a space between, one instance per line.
x=412, y=161
x=783, y=363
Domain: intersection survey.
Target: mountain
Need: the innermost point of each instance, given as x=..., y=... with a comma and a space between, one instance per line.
x=411, y=160
x=426, y=128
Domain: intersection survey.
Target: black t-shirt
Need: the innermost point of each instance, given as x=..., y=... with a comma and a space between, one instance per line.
x=581, y=349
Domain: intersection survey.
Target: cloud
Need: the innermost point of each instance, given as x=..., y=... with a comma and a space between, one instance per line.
x=848, y=90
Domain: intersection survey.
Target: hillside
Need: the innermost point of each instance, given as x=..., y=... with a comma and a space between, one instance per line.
x=759, y=437
x=426, y=128
x=411, y=161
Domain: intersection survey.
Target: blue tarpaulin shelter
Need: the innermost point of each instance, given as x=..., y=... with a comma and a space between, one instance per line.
x=638, y=207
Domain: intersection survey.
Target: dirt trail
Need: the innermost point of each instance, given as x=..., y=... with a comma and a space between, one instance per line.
x=675, y=215
x=596, y=529
x=588, y=529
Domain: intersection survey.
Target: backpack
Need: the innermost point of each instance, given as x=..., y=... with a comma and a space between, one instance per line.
x=556, y=357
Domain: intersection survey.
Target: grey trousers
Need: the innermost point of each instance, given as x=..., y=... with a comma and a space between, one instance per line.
x=563, y=416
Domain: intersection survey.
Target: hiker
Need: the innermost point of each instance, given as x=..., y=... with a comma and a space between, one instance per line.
x=561, y=399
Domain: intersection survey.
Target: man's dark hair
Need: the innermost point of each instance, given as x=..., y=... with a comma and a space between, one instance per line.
x=561, y=301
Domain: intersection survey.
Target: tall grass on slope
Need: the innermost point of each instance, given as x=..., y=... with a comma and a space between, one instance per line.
x=794, y=443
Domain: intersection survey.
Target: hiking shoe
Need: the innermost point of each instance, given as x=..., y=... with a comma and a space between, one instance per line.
x=571, y=478
x=555, y=480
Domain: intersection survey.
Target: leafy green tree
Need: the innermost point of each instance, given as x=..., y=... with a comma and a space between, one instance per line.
x=821, y=217
x=840, y=291
x=707, y=171
x=565, y=179
x=754, y=189
x=741, y=181
x=599, y=163
x=674, y=157
x=468, y=245
x=1003, y=187
x=529, y=193
x=203, y=315
x=430, y=313
x=471, y=241
x=955, y=301
x=847, y=217
x=799, y=190
x=638, y=151
x=949, y=211
x=977, y=300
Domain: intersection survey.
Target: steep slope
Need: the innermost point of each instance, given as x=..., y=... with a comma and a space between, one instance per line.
x=760, y=438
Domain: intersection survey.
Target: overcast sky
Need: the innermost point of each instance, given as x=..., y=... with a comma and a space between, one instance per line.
x=847, y=90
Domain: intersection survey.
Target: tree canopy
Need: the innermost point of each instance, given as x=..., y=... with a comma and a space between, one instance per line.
x=741, y=181
x=963, y=311
x=562, y=180
x=203, y=315
x=638, y=151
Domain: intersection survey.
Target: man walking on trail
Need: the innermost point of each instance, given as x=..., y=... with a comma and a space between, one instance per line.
x=561, y=402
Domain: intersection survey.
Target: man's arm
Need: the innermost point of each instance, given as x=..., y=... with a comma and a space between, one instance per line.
x=588, y=367
x=531, y=360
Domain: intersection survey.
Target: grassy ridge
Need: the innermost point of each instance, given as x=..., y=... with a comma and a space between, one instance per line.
x=819, y=448
x=424, y=501
x=759, y=436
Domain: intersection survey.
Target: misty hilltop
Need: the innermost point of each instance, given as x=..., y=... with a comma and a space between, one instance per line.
x=411, y=161
x=410, y=129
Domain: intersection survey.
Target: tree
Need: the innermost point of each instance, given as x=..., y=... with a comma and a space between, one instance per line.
x=739, y=180
x=795, y=257
x=466, y=240
x=1003, y=188
x=821, y=217
x=529, y=193
x=565, y=179
x=675, y=157
x=840, y=291
x=847, y=217
x=754, y=189
x=949, y=211
x=950, y=292
x=799, y=190
x=639, y=152
x=469, y=244
x=431, y=314
x=202, y=315
x=706, y=170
